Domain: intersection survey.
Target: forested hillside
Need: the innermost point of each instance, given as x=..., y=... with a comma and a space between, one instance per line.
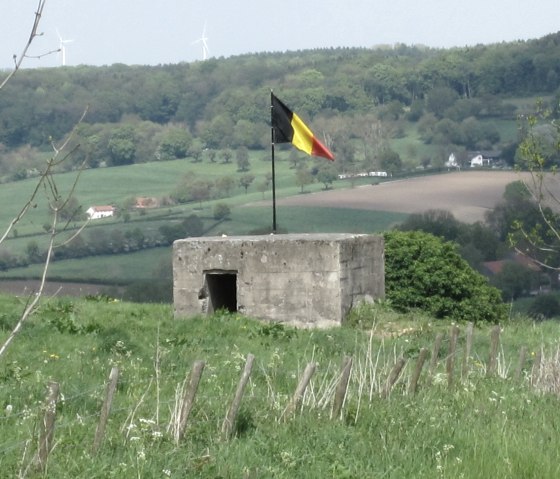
x=212, y=108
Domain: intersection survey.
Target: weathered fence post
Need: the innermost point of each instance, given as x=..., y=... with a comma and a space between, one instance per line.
x=106, y=408
x=435, y=355
x=188, y=398
x=412, y=387
x=342, y=386
x=494, y=344
x=450, y=363
x=393, y=376
x=231, y=416
x=535, y=373
x=46, y=437
x=521, y=363
x=468, y=349
x=295, y=402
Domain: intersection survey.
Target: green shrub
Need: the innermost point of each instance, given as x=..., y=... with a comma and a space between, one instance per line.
x=221, y=211
x=156, y=290
x=545, y=306
x=423, y=272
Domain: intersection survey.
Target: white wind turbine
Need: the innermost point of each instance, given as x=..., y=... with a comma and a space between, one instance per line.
x=203, y=39
x=62, y=47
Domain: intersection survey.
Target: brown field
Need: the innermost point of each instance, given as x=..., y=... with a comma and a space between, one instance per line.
x=466, y=194
x=26, y=288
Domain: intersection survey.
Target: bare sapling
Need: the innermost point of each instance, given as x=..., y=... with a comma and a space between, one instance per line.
x=56, y=202
x=46, y=184
x=18, y=61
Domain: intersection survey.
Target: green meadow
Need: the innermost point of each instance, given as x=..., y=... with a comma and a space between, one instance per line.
x=126, y=268
x=482, y=423
x=250, y=211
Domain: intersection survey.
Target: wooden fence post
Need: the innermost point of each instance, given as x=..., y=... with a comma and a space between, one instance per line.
x=46, y=437
x=468, y=349
x=435, y=355
x=535, y=373
x=188, y=398
x=412, y=387
x=521, y=363
x=342, y=387
x=231, y=416
x=393, y=376
x=106, y=408
x=494, y=344
x=294, y=404
x=450, y=363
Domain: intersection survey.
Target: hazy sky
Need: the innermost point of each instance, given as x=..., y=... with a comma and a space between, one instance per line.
x=163, y=31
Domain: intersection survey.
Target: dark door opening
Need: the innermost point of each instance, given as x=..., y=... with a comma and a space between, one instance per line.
x=222, y=291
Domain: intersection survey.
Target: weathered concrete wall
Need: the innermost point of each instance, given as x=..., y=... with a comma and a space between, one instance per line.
x=304, y=280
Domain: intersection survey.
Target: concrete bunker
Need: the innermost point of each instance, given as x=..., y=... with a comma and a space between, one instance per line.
x=306, y=280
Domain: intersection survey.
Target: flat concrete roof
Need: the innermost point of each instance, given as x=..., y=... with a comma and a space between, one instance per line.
x=279, y=237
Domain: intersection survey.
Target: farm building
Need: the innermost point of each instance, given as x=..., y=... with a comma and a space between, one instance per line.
x=305, y=280
x=143, y=202
x=479, y=161
x=97, y=212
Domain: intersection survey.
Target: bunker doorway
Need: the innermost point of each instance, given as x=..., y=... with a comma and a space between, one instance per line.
x=222, y=290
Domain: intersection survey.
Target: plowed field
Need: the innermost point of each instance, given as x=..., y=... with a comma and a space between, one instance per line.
x=467, y=194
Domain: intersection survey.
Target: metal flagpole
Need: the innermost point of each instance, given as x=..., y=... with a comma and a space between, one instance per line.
x=273, y=173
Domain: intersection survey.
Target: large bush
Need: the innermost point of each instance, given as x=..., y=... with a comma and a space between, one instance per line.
x=545, y=306
x=423, y=272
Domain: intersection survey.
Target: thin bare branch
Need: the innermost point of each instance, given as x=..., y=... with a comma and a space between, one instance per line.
x=19, y=60
x=77, y=233
x=46, y=176
x=46, y=180
x=32, y=305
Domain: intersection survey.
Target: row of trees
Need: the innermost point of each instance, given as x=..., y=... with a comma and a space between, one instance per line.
x=360, y=96
x=102, y=241
x=226, y=91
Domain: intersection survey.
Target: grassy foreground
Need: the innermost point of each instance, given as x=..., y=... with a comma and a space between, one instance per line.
x=495, y=426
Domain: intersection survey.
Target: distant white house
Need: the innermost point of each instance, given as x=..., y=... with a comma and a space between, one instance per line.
x=479, y=160
x=97, y=212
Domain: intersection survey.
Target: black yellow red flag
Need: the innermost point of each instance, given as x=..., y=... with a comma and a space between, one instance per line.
x=290, y=128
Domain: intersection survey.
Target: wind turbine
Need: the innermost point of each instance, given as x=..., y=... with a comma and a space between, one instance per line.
x=62, y=47
x=203, y=39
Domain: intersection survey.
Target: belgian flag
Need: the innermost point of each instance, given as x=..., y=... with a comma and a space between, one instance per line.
x=289, y=128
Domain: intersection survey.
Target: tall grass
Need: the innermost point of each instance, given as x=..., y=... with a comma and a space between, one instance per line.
x=482, y=427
